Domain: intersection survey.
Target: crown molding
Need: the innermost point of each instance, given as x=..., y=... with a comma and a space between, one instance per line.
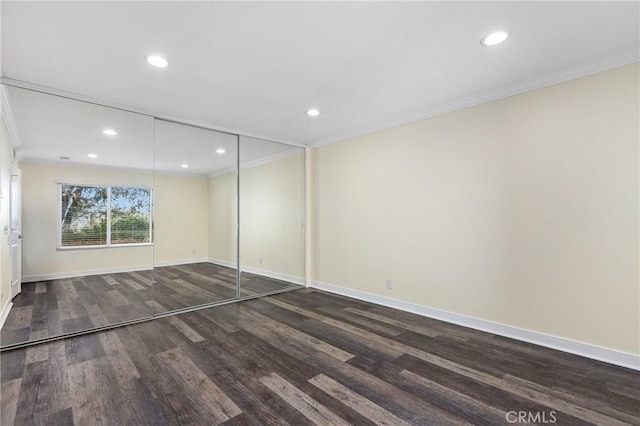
x=603, y=64
x=271, y=158
x=264, y=160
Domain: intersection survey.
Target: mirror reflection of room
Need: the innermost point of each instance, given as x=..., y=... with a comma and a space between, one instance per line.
x=185, y=157
x=271, y=216
x=126, y=216
x=85, y=250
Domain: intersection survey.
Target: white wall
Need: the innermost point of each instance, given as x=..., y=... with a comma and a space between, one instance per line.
x=6, y=161
x=522, y=211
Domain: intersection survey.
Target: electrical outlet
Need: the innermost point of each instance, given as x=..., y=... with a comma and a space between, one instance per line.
x=261, y=261
x=389, y=284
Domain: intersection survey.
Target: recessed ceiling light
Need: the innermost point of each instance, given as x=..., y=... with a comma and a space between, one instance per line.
x=157, y=61
x=220, y=150
x=109, y=132
x=92, y=156
x=185, y=166
x=494, y=38
x=313, y=112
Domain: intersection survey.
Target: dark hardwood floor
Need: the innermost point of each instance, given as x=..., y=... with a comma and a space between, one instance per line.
x=307, y=357
x=50, y=308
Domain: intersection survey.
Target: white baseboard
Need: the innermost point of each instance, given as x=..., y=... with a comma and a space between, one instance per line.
x=599, y=353
x=257, y=271
x=277, y=275
x=64, y=275
x=224, y=263
x=180, y=262
x=5, y=312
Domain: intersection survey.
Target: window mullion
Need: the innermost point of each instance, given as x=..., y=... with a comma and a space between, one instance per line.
x=108, y=215
x=151, y=214
x=60, y=215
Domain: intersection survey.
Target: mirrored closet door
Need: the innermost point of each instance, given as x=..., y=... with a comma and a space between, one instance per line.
x=272, y=204
x=126, y=216
x=195, y=216
x=87, y=223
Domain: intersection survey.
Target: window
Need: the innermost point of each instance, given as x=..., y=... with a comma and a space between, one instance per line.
x=104, y=215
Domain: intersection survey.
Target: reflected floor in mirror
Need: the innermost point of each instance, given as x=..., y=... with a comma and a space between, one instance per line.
x=51, y=308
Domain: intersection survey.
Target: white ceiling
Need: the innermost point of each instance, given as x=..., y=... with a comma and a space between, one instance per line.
x=256, y=67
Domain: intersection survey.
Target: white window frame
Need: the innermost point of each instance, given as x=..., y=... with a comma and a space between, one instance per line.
x=108, y=242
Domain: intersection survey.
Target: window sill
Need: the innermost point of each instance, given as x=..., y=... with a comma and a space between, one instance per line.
x=71, y=248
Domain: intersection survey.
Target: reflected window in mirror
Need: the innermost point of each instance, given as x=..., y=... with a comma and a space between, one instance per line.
x=103, y=216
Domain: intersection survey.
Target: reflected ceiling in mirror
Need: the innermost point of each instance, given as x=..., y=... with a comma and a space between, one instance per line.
x=200, y=149
x=60, y=130
x=55, y=129
x=178, y=144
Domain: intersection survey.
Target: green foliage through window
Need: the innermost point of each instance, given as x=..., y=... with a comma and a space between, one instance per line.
x=102, y=216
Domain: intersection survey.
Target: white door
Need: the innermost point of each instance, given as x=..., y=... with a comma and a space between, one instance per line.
x=15, y=203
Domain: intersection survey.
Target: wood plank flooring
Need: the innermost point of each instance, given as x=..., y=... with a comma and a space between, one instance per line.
x=50, y=308
x=307, y=357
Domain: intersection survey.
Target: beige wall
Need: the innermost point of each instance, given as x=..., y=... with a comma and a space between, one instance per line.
x=222, y=215
x=180, y=221
x=194, y=219
x=272, y=214
x=522, y=211
x=40, y=204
